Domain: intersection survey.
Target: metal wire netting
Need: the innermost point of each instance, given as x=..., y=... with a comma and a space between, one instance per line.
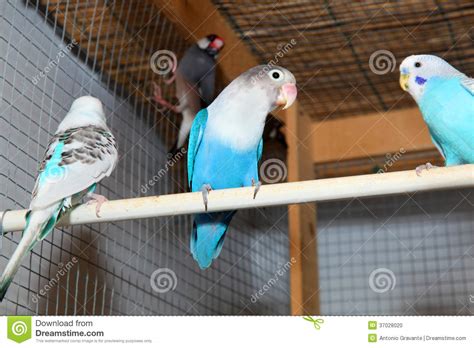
x=54, y=52
x=400, y=255
x=345, y=54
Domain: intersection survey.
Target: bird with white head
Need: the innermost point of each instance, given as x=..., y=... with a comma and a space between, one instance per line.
x=80, y=154
x=226, y=144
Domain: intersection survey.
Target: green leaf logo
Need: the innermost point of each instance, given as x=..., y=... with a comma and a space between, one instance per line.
x=19, y=328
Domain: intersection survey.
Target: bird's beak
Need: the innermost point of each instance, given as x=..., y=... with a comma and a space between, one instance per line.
x=287, y=95
x=404, y=81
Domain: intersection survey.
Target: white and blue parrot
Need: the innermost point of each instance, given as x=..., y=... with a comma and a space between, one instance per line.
x=80, y=154
x=445, y=97
x=226, y=144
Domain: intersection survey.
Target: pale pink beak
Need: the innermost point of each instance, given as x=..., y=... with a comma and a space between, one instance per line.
x=287, y=96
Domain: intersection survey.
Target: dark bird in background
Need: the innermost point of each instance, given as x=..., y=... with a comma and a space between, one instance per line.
x=272, y=131
x=195, y=80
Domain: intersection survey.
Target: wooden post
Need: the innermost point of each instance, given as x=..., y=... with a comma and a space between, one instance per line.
x=302, y=218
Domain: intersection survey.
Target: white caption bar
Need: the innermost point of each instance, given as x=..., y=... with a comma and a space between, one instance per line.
x=255, y=331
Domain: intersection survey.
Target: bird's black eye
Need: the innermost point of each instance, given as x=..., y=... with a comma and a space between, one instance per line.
x=417, y=65
x=276, y=74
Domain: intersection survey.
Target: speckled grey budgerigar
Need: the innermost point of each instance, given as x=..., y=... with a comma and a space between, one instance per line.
x=79, y=155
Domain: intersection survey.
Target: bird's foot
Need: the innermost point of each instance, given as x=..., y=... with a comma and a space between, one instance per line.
x=158, y=97
x=205, y=189
x=423, y=167
x=171, y=80
x=99, y=199
x=257, y=186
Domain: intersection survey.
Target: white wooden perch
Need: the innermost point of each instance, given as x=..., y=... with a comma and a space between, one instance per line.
x=269, y=195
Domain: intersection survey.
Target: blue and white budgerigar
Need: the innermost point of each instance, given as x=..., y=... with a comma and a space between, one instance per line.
x=81, y=153
x=445, y=97
x=226, y=144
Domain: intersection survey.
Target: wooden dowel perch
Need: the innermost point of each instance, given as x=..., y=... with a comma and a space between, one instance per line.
x=269, y=195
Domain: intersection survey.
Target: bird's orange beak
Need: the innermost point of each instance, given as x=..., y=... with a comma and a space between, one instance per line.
x=287, y=95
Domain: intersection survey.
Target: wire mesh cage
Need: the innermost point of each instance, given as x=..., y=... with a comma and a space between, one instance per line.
x=401, y=254
x=54, y=52
x=349, y=38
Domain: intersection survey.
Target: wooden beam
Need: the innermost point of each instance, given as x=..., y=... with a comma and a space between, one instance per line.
x=198, y=18
x=369, y=136
x=302, y=218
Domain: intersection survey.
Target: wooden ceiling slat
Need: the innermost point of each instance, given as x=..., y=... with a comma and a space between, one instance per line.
x=322, y=44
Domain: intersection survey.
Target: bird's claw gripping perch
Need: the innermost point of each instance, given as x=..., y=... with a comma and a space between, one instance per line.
x=171, y=79
x=205, y=189
x=426, y=166
x=99, y=199
x=158, y=97
x=257, y=186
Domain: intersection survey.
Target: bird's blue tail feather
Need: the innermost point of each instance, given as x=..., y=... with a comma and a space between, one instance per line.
x=208, y=236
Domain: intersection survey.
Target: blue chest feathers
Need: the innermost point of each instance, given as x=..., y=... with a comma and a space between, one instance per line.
x=221, y=166
x=448, y=110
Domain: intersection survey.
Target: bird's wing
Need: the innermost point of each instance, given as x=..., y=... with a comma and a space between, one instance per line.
x=75, y=160
x=260, y=150
x=440, y=149
x=468, y=83
x=207, y=85
x=195, y=137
